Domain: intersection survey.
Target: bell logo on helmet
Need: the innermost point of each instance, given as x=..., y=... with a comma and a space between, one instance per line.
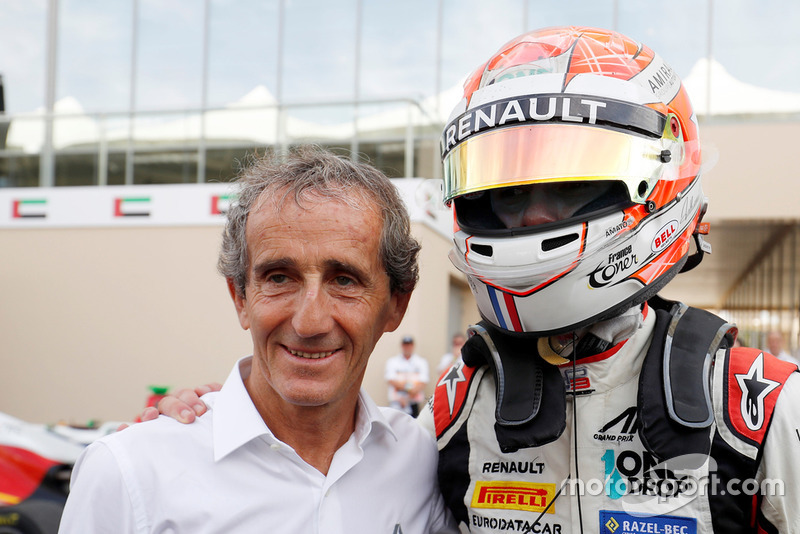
x=664, y=236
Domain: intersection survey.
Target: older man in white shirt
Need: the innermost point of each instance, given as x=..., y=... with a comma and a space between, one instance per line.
x=319, y=262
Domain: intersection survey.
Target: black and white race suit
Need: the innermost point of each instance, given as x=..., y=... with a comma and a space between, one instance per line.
x=597, y=475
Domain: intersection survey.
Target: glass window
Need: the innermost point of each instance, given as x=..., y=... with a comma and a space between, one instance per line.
x=677, y=34
x=473, y=30
x=223, y=164
x=116, y=168
x=388, y=157
x=19, y=171
x=94, y=53
x=243, y=49
x=5, y=124
x=173, y=167
x=169, y=54
x=398, y=48
x=427, y=159
x=76, y=169
x=22, y=39
x=75, y=130
x=319, y=50
x=598, y=14
x=25, y=133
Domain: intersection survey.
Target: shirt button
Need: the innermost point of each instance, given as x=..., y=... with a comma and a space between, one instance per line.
x=274, y=446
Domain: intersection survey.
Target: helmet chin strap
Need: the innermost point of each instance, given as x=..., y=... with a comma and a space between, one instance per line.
x=592, y=339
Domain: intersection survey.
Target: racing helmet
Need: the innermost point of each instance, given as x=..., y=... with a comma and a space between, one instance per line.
x=572, y=164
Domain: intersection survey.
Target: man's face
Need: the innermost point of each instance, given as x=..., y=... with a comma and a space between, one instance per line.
x=316, y=301
x=407, y=349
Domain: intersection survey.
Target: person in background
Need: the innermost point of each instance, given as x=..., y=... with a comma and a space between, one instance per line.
x=319, y=263
x=407, y=375
x=454, y=355
x=776, y=345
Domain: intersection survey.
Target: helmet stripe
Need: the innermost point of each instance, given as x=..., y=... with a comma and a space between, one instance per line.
x=498, y=311
x=512, y=311
x=505, y=310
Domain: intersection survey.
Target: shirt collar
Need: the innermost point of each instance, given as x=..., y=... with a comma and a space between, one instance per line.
x=236, y=420
x=370, y=418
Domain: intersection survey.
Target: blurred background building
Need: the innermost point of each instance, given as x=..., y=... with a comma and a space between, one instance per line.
x=122, y=122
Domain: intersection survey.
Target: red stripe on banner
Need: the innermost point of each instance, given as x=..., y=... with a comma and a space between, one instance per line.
x=215, y=205
x=512, y=312
x=118, y=207
x=16, y=214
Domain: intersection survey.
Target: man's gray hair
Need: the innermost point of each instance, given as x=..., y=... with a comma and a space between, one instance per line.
x=311, y=170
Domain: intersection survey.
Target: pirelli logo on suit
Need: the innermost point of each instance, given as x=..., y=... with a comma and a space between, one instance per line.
x=505, y=495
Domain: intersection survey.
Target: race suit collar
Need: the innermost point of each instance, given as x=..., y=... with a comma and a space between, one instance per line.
x=595, y=342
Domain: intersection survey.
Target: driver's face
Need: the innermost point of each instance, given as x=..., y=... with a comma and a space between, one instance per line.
x=530, y=205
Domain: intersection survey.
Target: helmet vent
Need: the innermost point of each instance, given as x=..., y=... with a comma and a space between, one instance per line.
x=560, y=241
x=483, y=250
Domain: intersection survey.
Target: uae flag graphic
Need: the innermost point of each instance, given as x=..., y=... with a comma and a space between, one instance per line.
x=132, y=207
x=29, y=209
x=221, y=203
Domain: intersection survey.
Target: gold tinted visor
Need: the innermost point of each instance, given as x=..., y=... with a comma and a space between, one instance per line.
x=539, y=153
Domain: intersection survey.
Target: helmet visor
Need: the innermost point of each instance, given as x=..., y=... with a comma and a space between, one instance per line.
x=543, y=153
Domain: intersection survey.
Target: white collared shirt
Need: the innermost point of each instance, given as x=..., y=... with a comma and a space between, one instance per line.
x=227, y=473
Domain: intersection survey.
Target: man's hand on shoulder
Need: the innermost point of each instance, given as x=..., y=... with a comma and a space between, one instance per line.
x=184, y=405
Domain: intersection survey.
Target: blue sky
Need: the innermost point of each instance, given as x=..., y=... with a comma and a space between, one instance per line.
x=756, y=40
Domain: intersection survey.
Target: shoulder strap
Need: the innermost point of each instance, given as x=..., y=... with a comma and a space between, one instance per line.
x=530, y=403
x=674, y=386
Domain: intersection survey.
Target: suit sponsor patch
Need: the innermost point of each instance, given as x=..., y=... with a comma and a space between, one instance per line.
x=754, y=381
x=612, y=522
x=450, y=395
x=507, y=495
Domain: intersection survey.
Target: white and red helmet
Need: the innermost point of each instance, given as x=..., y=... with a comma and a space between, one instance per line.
x=572, y=163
